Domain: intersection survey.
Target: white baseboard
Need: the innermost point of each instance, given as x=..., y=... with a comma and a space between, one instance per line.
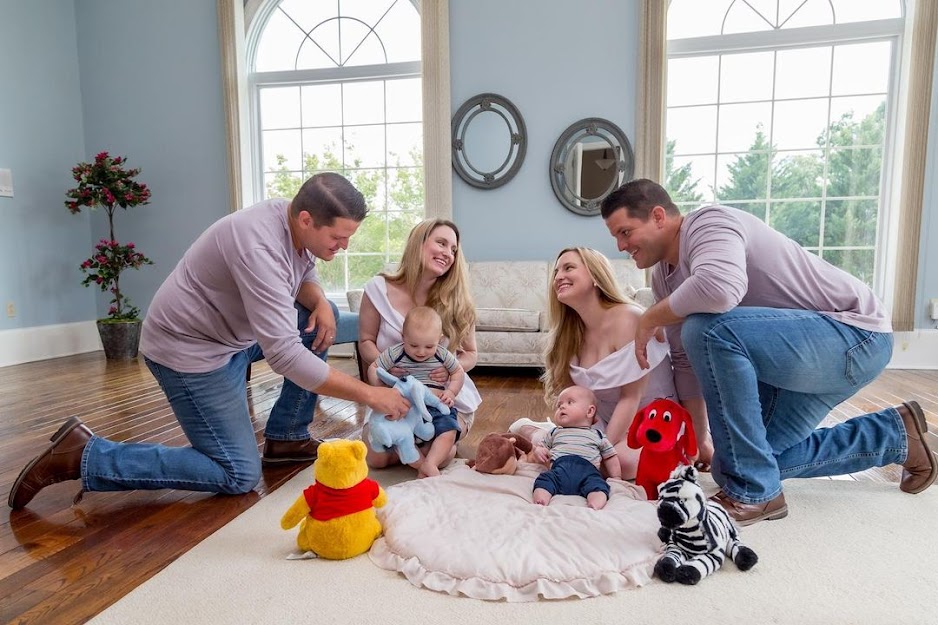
x=66, y=339
x=42, y=342
x=915, y=350
x=345, y=350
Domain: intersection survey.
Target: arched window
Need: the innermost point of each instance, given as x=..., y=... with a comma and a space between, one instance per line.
x=784, y=109
x=336, y=86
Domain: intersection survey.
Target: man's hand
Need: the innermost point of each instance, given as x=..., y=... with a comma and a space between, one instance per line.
x=323, y=321
x=643, y=334
x=388, y=401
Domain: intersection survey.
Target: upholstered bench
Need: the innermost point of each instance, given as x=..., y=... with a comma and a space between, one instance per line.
x=511, y=305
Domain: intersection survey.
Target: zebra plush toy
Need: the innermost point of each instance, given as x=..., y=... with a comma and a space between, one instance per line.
x=698, y=534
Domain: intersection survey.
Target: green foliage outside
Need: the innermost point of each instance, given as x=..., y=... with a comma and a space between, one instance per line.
x=678, y=181
x=788, y=190
x=395, y=201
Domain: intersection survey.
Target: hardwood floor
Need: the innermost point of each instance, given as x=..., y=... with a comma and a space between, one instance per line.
x=64, y=563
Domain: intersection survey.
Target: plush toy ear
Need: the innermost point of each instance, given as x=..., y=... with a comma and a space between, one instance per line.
x=359, y=450
x=494, y=453
x=521, y=442
x=386, y=377
x=690, y=441
x=632, y=438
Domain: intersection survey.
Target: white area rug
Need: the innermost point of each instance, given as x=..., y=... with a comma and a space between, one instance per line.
x=478, y=535
x=849, y=552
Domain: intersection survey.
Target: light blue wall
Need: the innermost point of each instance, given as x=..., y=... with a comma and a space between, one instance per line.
x=41, y=243
x=151, y=90
x=557, y=62
x=928, y=254
x=142, y=78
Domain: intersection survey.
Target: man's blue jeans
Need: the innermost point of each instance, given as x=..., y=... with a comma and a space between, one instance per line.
x=769, y=377
x=213, y=411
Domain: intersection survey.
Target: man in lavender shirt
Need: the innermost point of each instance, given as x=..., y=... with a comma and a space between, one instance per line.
x=772, y=337
x=247, y=289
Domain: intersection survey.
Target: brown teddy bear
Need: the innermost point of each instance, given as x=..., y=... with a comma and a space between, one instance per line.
x=499, y=452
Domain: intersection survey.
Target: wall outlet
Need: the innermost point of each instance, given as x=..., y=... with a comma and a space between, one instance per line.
x=6, y=183
x=11, y=310
x=934, y=308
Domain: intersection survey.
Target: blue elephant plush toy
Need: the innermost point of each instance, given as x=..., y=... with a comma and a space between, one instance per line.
x=385, y=434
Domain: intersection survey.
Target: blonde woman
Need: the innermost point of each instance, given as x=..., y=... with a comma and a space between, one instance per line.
x=432, y=273
x=591, y=344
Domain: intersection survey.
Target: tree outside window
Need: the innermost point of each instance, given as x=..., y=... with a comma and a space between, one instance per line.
x=337, y=87
x=381, y=237
x=790, y=127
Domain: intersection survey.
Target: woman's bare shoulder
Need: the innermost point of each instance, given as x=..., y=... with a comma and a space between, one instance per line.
x=626, y=313
x=399, y=298
x=624, y=321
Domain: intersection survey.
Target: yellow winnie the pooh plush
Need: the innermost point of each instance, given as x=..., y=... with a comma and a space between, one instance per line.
x=337, y=513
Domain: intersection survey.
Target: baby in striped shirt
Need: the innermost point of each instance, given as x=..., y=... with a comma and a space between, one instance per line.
x=418, y=355
x=575, y=450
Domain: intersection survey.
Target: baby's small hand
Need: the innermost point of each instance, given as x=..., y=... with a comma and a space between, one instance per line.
x=448, y=398
x=540, y=455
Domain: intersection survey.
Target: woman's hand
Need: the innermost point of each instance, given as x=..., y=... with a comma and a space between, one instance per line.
x=627, y=405
x=440, y=375
x=368, y=322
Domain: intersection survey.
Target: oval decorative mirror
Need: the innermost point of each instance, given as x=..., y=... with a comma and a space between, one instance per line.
x=489, y=141
x=590, y=159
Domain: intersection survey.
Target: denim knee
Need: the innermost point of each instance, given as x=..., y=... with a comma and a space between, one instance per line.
x=693, y=330
x=241, y=479
x=346, y=327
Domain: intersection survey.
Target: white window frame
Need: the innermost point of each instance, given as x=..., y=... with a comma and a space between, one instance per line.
x=237, y=19
x=891, y=30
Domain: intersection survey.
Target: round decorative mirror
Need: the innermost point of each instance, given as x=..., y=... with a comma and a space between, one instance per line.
x=489, y=141
x=590, y=159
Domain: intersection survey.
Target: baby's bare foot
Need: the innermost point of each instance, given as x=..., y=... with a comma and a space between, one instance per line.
x=541, y=496
x=532, y=432
x=596, y=500
x=428, y=469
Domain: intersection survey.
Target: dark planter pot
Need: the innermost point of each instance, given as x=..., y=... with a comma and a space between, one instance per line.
x=121, y=339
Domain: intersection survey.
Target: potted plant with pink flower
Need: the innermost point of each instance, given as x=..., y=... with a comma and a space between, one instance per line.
x=107, y=183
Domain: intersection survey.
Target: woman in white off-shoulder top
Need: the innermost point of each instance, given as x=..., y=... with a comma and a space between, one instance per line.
x=591, y=344
x=432, y=273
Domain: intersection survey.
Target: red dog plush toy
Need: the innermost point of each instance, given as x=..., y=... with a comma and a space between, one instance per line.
x=665, y=432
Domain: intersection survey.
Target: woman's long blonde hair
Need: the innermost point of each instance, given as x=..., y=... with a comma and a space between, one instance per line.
x=566, y=328
x=449, y=295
